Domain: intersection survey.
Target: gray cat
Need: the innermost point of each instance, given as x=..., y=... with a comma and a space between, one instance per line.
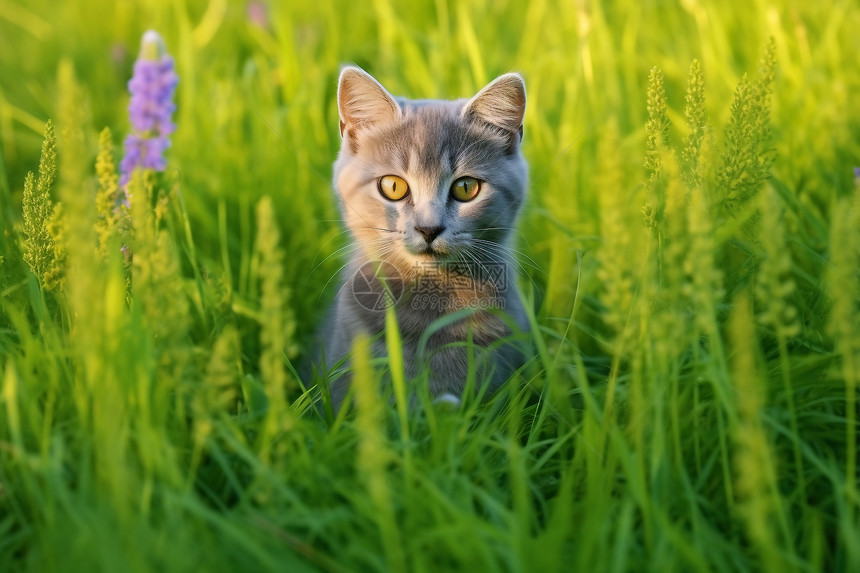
x=430, y=191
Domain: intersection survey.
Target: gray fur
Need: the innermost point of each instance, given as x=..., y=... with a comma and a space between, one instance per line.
x=431, y=143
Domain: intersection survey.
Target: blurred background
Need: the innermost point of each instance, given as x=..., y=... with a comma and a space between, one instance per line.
x=257, y=114
x=691, y=404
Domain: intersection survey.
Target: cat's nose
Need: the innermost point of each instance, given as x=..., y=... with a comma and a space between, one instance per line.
x=430, y=233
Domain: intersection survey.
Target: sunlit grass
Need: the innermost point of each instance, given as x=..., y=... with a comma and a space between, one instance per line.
x=690, y=253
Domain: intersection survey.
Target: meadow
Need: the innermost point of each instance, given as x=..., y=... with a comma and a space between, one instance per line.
x=689, y=253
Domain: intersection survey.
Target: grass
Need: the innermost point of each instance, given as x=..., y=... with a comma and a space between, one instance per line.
x=690, y=255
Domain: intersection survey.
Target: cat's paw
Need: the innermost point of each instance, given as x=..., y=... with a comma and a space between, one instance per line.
x=447, y=401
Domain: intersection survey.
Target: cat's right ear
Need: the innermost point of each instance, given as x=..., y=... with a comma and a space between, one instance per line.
x=502, y=103
x=362, y=102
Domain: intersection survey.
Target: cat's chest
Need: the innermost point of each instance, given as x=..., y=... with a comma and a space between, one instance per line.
x=433, y=307
x=427, y=303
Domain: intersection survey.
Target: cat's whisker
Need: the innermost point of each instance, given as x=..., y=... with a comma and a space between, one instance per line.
x=516, y=252
x=380, y=256
x=481, y=266
x=488, y=252
x=329, y=240
x=515, y=258
x=343, y=266
x=350, y=249
x=374, y=228
x=491, y=248
x=378, y=248
x=345, y=250
x=461, y=256
x=521, y=234
x=479, y=252
x=506, y=229
x=332, y=277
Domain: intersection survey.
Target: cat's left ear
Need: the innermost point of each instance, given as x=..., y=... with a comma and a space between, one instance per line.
x=501, y=103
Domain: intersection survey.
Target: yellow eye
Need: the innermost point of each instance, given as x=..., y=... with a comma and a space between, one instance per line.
x=465, y=188
x=393, y=187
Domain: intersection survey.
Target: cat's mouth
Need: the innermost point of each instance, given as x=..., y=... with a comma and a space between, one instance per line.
x=428, y=255
x=428, y=252
x=437, y=251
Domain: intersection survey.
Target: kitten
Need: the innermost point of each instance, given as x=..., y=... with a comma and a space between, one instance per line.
x=430, y=191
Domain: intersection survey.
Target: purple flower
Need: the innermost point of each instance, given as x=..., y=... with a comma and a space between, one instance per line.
x=150, y=110
x=144, y=153
x=857, y=173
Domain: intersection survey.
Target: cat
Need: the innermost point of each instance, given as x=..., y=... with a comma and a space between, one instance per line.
x=430, y=191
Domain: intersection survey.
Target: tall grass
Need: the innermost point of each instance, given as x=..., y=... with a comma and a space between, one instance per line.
x=691, y=249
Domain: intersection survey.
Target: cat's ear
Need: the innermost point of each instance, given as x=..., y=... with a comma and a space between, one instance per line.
x=501, y=103
x=363, y=102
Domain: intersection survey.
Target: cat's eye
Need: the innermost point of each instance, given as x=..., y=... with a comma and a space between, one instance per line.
x=465, y=189
x=393, y=187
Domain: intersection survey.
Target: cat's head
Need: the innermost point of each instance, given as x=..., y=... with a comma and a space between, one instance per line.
x=430, y=180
